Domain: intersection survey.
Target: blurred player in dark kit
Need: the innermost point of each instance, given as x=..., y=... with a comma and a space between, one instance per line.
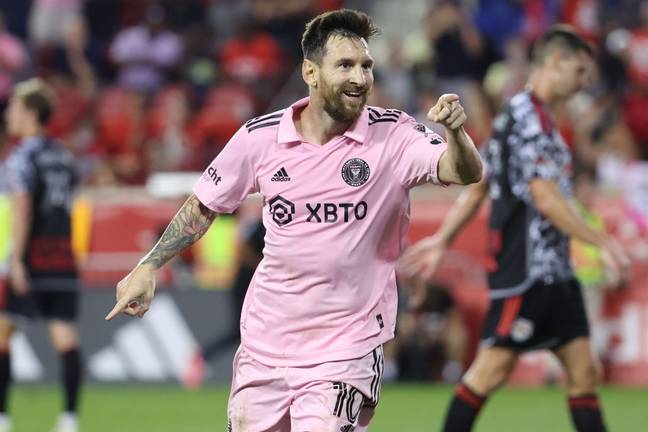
x=536, y=301
x=43, y=279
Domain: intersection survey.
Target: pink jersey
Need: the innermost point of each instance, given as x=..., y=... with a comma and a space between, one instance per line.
x=336, y=218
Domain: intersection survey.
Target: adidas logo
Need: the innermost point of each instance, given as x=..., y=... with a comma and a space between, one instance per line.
x=154, y=349
x=281, y=176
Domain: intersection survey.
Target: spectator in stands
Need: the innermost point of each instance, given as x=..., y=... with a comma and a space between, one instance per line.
x=583, y=15
x=168, y=146
x=508, y=76
x=146, y=52
x=252, y=55
x=457, y=45
x=398, y=81
x=599, y=130
x=13, y=59
x=636, y=104
x=119, y=137
x=223, y=17
x=284, y=19
x=432, y=338
x=226, y=106
x=50, y=21
x=498, y=22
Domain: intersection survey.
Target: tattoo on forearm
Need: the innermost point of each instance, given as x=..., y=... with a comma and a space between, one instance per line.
x=189, y=224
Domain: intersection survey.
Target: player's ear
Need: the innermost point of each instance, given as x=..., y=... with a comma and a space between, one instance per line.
x=309, y=73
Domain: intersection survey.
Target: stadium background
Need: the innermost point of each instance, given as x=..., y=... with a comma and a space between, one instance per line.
x=144, y=115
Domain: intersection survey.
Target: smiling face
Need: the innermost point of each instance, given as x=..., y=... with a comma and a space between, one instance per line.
x=343, y=79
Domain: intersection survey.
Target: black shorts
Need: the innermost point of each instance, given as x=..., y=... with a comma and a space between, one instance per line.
x=545, y=316
x=60, y=305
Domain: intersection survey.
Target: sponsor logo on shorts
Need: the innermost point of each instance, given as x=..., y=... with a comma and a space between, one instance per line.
x=522, y=330
x=355, y=172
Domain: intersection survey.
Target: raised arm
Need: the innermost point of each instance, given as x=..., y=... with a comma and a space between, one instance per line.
x=135, y=292
x=461, y=163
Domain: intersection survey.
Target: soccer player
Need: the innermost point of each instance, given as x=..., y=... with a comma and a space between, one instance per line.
x=535, y=300
x=42, y=274
x=335, y=175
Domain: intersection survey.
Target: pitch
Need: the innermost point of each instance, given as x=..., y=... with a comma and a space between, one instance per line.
x=410, y=408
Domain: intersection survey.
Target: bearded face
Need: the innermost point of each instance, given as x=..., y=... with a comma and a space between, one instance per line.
x=344, y=103
x=346, y=78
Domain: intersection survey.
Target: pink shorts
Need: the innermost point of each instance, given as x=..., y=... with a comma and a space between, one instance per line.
x=330, y=397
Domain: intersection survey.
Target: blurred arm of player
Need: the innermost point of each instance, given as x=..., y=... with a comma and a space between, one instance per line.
x=461, y=163
x=553, y=205
x=135, y=292
x=423, y=258
x=21, y=221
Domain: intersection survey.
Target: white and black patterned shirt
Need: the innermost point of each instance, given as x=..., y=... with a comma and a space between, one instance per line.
x=525, y=246
x=46, y=172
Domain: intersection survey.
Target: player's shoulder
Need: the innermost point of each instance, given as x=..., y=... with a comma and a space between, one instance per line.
x=264, y=123
x=530, y=118
x=20, y=155
x=520, y=107
x=380, y=117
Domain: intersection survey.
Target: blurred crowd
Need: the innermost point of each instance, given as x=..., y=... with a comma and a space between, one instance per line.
x=147, y=86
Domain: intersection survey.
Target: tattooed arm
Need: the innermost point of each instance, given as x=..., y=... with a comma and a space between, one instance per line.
x=135, y=292
x=187, y=227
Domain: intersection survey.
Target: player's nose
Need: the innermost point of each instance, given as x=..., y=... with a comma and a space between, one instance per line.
x=358, y=77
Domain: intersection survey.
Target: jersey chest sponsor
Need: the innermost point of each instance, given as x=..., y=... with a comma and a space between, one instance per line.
x=283, y=211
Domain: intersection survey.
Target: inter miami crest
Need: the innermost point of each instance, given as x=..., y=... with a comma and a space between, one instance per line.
x=355, y=172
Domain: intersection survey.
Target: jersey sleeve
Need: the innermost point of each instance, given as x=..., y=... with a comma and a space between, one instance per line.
x=416, y=152
x=21, y=174
x=230, y=177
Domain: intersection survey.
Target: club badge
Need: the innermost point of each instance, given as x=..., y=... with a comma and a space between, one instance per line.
x=355, y=172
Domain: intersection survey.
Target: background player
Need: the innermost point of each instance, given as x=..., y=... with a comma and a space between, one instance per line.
x=42, y=275
x=335, y=176
x=535, y=300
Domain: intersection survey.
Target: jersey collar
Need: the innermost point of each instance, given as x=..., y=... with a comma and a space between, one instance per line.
x=288, y=133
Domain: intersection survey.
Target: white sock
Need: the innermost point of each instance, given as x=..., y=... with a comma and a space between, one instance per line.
x=68, y=418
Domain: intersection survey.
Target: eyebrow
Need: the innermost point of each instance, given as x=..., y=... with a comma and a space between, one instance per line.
x=350, y=60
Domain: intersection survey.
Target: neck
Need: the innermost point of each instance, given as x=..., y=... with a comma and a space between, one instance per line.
x=542, y=87
x=32, y=131
x=316, y=126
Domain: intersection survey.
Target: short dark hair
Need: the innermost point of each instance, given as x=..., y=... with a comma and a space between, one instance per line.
x=563, y=37
x=343, y=22
x=37, y=97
